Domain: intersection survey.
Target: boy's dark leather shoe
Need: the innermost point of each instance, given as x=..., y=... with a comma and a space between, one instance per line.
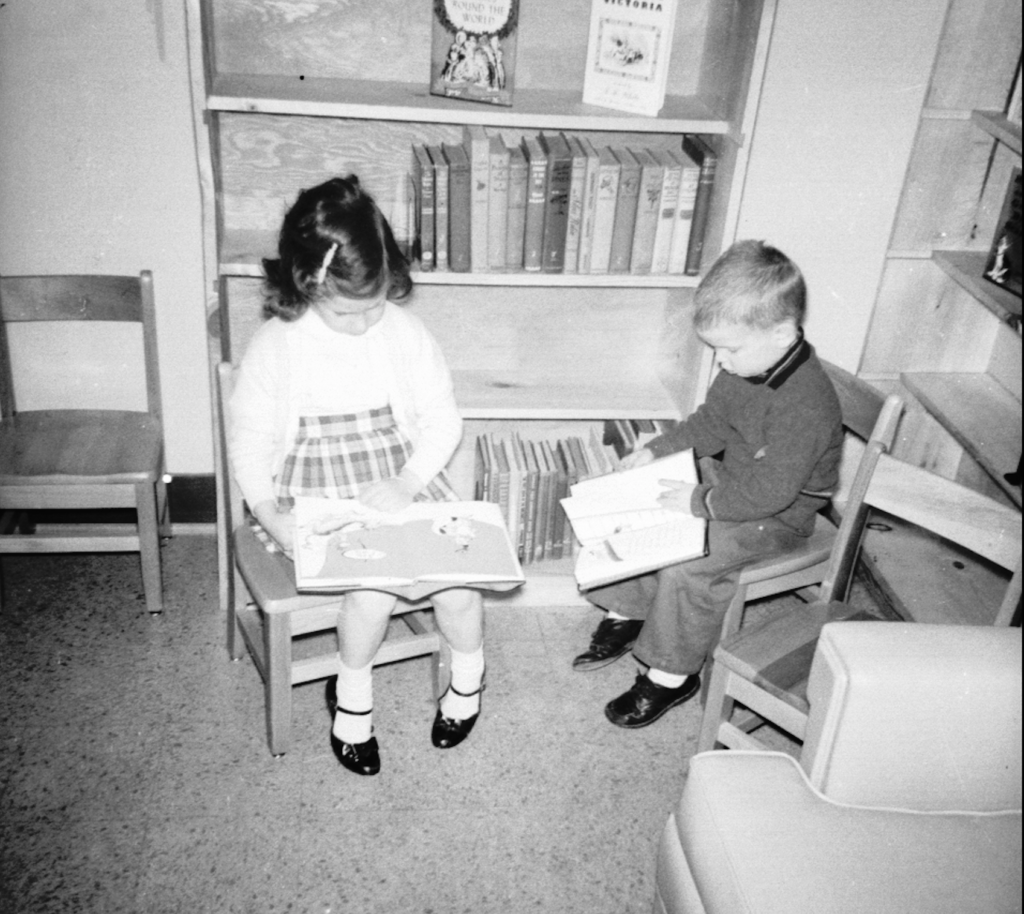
x=612, y=639
x=646, y=701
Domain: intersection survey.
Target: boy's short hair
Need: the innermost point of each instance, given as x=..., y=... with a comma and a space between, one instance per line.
x=754, y=284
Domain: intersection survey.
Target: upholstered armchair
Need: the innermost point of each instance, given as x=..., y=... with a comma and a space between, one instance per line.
x=906, y=796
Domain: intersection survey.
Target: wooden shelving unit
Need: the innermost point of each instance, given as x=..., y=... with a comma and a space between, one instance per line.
x=942, y=335
x=288, y=93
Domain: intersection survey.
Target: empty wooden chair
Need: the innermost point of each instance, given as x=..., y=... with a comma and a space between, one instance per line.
x=80, y=417
x=764, y=667
x=265, y=613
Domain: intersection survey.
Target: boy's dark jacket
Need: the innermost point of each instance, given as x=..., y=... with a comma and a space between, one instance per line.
x=778, y=438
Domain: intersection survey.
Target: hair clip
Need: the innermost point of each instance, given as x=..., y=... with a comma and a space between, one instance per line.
x=328, y=257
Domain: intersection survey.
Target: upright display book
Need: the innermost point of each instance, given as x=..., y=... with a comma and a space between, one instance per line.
x=624, y=531
x=1004, y=260
x=473, y=50
x=340, y=544
x=628, y=54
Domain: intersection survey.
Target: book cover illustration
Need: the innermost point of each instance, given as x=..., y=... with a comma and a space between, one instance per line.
x=628, y=55
x=1004, y=267
x=473, y=50
x=342, y=544
x=622, y=528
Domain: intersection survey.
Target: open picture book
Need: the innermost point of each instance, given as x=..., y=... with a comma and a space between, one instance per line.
x=624, y=531
x=342, y=544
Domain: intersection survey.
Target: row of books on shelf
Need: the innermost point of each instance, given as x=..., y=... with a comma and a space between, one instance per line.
x=528, y=479
x=556, y=203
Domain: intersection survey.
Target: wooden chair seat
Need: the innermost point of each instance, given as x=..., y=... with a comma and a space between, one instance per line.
x=80, y=447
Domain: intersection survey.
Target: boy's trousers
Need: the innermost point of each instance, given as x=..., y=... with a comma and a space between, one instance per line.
x=683, y=605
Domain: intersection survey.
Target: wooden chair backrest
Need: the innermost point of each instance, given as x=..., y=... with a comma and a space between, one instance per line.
x=78, y=362
x=842, y=562
x=859, y=401
x=232, y=509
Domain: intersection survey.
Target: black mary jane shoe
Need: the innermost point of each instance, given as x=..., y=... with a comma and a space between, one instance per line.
x=646, y=701
x=448, y=732
x=359, y=758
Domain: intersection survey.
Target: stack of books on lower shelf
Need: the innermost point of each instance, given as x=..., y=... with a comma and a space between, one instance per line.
x=556, y=203
x=529, y=478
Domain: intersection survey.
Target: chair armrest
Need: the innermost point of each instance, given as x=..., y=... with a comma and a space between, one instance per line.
x=919, y=716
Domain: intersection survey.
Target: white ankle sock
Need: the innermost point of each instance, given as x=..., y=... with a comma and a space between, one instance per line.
x=353, y=720
x=611, y=614
x=467, y=677
x=668, y=680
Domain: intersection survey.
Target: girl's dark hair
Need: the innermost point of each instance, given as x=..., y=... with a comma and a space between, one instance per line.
x=752, y=283
x=334, y=241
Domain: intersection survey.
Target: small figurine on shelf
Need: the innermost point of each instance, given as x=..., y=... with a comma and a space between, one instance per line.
x=1004, y=261
x=473, y=50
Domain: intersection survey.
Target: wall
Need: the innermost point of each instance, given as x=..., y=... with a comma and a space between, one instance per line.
x=99, y=168
x=99, y=173
x=842, y=94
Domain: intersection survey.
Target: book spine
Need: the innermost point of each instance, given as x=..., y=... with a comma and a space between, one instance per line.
x=625, y=211
x=516, y=223
x=477, y=147
x=647, y=213
x=556, y=209
x=536, y=195
x=702, y=204
x=574, y=226
x=604, y=211
x=666, y=212
x=458, y=209
x=497, y=205
x=589, y=204
x=689, y=178
x=440, y=207
x=423, y=178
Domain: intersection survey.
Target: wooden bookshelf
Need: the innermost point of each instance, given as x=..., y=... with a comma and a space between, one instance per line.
x=291, y=92
x=940, y=330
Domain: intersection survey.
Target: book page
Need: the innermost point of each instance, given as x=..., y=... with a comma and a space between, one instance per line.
x=340, y=543
x=635, y=489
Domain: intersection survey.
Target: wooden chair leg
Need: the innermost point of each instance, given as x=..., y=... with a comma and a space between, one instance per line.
x=237, y=600
x=277, y=642
x=149, y=546
x=162, y=510
x=717, y=709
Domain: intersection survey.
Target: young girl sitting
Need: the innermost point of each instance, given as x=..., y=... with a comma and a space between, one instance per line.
x=343, y=394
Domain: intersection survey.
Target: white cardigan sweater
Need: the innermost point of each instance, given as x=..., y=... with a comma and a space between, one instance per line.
x=302, y=367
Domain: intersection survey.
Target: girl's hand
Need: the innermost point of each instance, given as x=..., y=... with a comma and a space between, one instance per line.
x=279, y=524
x=390, y=495
x=636, y=459
x=678, y=495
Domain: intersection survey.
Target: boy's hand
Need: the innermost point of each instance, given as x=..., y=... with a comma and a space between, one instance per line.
x=638, y=458
x=279, y=524
x=677, y=495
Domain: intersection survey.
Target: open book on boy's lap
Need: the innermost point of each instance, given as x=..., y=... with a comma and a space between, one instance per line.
x=340, y=544
x=622, y=528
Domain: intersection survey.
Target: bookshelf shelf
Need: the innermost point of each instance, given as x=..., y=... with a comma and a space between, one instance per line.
x=966, y=269
x=999, y=126
x=548, y=109
x=290, y=92
x=982, y=415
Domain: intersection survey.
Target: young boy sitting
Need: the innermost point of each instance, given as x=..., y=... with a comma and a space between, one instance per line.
x=771, y=421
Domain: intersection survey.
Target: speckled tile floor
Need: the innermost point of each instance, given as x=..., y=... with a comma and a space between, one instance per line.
x=135, y=777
